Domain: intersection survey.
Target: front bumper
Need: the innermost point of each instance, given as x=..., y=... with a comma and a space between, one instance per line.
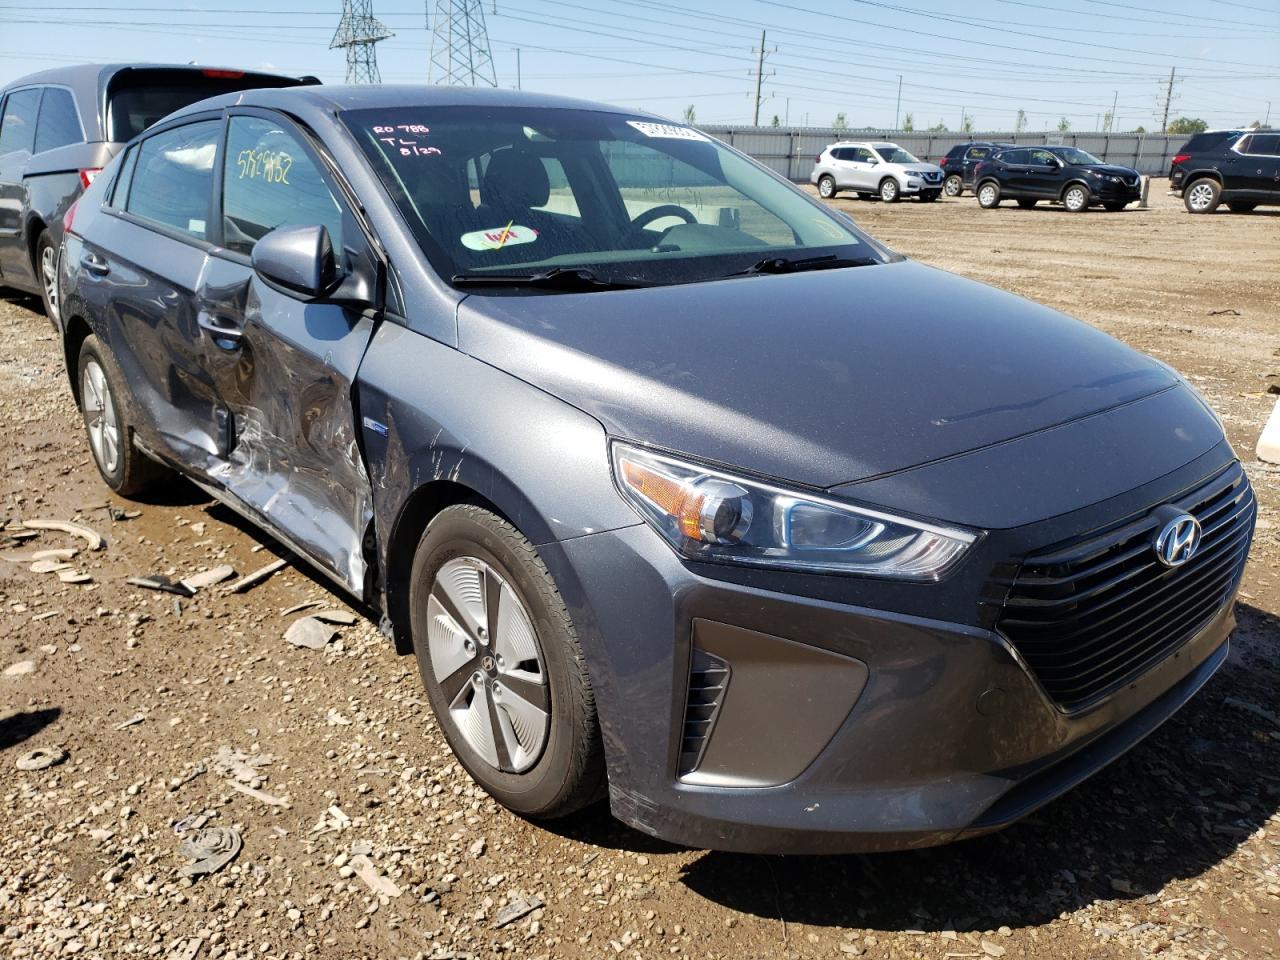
x=847, y=727
x=914, y=185
x=1108, y=191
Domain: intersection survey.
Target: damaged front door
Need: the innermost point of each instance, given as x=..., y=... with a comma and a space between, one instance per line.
x=284, y=363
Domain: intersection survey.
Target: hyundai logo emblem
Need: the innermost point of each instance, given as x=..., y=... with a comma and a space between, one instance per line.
x=1178, y=540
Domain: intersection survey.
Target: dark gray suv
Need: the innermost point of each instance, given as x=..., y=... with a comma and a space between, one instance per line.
x=59, y=127
x=678, y=485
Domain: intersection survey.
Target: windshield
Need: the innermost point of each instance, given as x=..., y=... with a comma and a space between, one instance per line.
x=1075, y=156
x=523, y=190
x=896, y=155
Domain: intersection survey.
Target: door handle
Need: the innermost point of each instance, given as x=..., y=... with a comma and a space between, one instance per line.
x=225, y=333
x=95, y=264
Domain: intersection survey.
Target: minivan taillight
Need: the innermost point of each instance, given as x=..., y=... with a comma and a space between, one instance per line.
x=69, y=217
x=87, y=175
x=224, y=74
x=1181, y=157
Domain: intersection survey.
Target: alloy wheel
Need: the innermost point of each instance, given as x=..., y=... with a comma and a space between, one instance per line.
x=1200, y=197
x=889, y=191
x=485, y=656
x=1075, y=199
x=49, y=277
x=100, y=417
x=953, y=186
x=826, y=188
x=987, y=195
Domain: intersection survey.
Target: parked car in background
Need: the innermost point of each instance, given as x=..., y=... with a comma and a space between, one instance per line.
x=1240, y=168
x=875, y=169
x=1066, y=175
x=59, y=127
x=960, y=162
x=681, y=489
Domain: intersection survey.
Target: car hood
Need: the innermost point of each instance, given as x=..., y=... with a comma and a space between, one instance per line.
x=1111, y=169
x=919, y=167
x=819, y=378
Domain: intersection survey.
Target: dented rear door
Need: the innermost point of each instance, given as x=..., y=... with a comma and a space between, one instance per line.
x=284, y=368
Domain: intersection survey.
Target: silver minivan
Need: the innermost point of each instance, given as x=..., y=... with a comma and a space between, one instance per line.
x=875, y=169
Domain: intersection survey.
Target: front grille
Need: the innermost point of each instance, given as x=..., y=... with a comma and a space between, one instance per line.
x=708, y=678
x=1090, y=615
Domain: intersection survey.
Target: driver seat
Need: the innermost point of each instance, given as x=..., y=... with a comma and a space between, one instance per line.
x=514, y=185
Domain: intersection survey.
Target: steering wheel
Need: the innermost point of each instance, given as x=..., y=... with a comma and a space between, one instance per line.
x=658, y=212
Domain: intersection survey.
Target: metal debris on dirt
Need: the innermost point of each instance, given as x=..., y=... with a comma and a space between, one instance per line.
x=310, y=633
x=515, y=910
x=210, y=849
x=132, y=721
x=161, y=583
x=299, y=607
x=49, y=566
x=56, y=553
x=253, y=579
x=241, y=766
x=186, y=949
x=381, y=885
x=90, y=536
x=333, y=615
x=74, y=576
x=115, y=514
x=41, y=758
x=259, y=795
x=207, y=578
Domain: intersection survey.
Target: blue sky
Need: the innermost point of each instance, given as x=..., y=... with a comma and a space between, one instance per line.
x=984, y=58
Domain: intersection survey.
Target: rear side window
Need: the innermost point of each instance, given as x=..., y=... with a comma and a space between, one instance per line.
x=120, y=190
x=173, y=177
x=269, y=180
x=1016, y=156
x=59, y=123
x=18, y=126
x=1263, y=145
x=1207, y=141
x=955, y=152
x=978, y=153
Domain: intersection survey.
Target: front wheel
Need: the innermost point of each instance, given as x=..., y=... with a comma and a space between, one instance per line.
x=1076, y=198
x=889, y=190
x=1202, y=196
x=988, y=196
x=47, y=269
x=826, y=186
x=502, y=666
x=108, y=420
x=953, y=186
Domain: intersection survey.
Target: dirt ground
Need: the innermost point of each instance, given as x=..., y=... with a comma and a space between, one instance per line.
x=170, y=712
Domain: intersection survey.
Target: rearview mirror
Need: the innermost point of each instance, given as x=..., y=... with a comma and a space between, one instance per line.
x=297, y=259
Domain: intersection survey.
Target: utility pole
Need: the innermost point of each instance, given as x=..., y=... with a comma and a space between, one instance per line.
x=787, y=122
x=759, y=71
x=1267, y=122
x=897, y=110
x=1168, y=101
x=518, y=86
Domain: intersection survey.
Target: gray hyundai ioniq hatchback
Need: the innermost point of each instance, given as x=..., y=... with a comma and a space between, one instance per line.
x=678, y=486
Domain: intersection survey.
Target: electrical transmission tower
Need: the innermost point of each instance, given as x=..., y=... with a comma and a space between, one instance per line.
x=460, y=46
x=358, y=31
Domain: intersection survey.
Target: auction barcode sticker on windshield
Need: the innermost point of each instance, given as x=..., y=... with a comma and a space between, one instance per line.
x=666, y=131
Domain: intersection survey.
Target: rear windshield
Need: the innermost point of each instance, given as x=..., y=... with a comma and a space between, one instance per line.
x=1207, y=141
x=138, y=98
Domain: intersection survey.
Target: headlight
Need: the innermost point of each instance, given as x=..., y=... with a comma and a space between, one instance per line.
x=709, y=515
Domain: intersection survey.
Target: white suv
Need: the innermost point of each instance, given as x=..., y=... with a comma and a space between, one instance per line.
x=875, y=169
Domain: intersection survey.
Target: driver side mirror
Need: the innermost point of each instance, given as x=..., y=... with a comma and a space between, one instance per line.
x=297, y=260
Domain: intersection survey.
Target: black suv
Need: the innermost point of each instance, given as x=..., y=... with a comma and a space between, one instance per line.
x=1238, y=167
x=962, y=160
x=58, y=128
x=1066, y=175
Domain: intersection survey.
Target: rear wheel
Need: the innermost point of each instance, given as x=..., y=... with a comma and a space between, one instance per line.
x=953, y=186
x=1240, y=206
x=826, y=186
x=108, y=420
x=47, y=273
x=1026, y=204
x=1202, y=196
x=889, y=190
x=502, y=665
x=988, y=195
x=1076, y=198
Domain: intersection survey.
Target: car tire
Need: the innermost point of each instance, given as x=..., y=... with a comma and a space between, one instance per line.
x=866, y=196
x=1202, y=196
x=1026, y=204
x=1115, y=207
x=46, y=267
x=953, y=186
x=827, y=187
x=988, y=195
x=489, y=707
x=1241, y=206
x=889, y=190
x=1076, y=198
x=107, y=410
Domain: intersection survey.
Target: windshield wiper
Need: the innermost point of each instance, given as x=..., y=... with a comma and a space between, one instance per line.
x=567, y=279
x=830, y=261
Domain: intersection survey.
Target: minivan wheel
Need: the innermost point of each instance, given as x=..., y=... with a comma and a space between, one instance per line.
x=988, y=196
x=1202, y=196
x=889, y=190
x=1240, y=206
x=1076, y=198
x=47, y=270
x=953, y=186
x=502, y=666
x=826, y=186
x=108, y=421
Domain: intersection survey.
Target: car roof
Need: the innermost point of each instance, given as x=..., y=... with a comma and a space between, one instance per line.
x=82, y=73
x=338, y=98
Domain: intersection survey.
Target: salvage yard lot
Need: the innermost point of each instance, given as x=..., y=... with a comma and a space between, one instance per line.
x=1173, y=851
